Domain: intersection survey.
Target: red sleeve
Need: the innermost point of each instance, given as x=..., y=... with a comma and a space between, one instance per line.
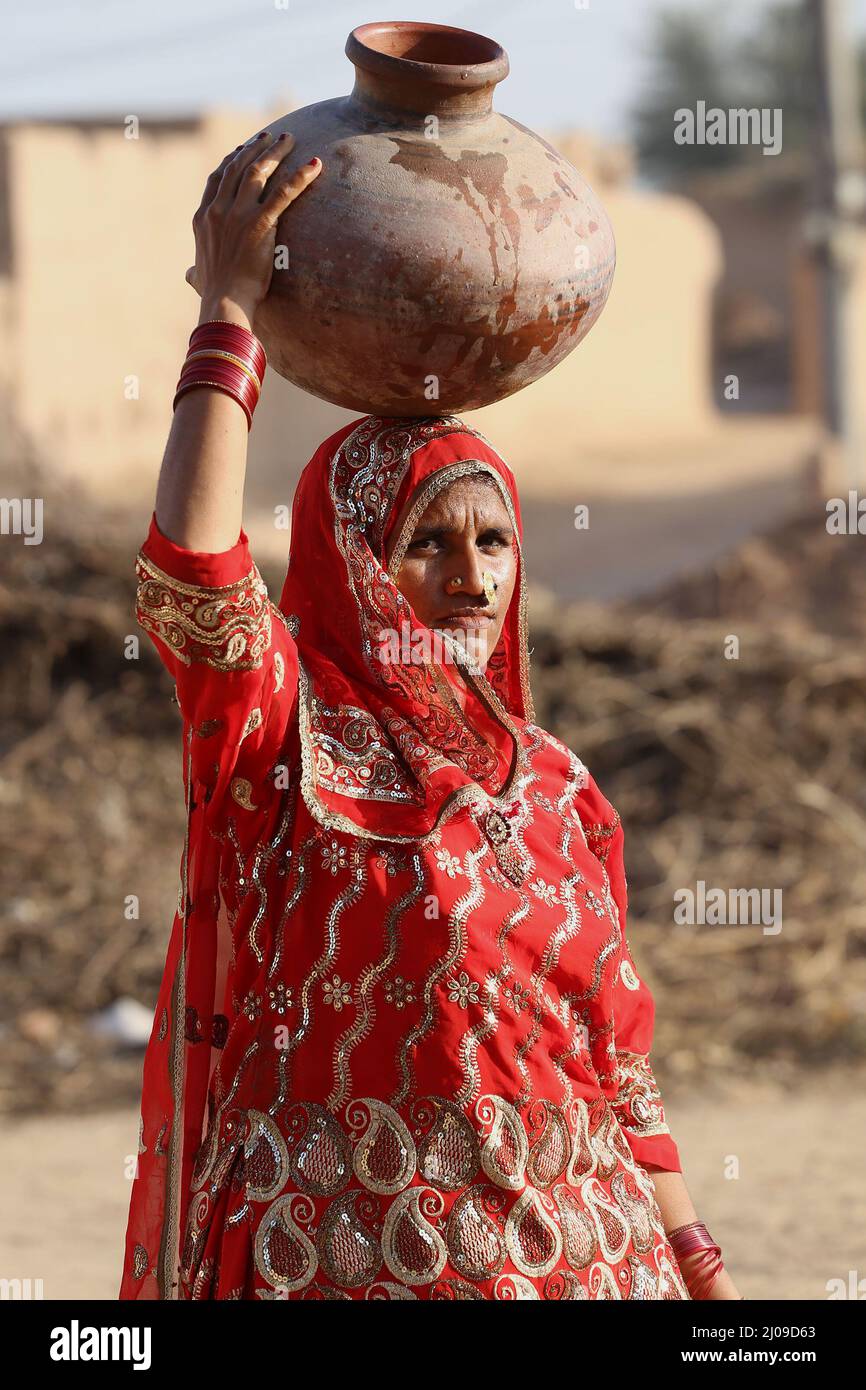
x=636, y=1098
x=224, y=643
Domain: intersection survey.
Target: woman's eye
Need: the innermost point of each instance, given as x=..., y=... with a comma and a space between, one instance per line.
x=425, y=545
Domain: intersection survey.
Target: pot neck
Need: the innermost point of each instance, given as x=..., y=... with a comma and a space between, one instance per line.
x=380, y=96
x=419, y=70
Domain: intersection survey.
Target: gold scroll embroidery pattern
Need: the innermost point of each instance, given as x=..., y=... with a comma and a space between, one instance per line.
x=227, y=627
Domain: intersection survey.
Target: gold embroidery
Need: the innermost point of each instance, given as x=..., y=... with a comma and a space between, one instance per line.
x=559, y=937
x=448, y=1155
x=254, y=721
x=489, y=1022
x=638, y=1103
x=348, y=898
x=266, y=1165
x=385, y=1157
x=412, y=1246
x=320, y=1152
x=457, y=943
x=348, y=1248
x=475, y=1243
x=279, y=671
x=599, y=836
x=365, y=1008
x=628, y=976
x=284, y=1253
x=227, y=627
x=556, y=1193
x=242, y=792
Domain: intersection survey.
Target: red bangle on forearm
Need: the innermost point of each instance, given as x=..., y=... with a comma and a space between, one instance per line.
x=227, y=357
x=693, y=1238
x=233, y=338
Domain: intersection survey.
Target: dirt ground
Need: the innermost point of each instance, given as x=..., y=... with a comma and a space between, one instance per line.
x=793, y=1219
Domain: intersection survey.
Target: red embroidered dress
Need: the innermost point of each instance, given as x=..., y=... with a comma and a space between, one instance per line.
x=400, y=1049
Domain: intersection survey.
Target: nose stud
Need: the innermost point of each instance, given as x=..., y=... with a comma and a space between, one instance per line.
x=487, y=580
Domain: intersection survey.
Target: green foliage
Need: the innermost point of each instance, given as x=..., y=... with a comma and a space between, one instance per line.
x=698, y=57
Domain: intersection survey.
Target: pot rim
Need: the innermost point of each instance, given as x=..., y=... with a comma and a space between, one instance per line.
x=466, y=76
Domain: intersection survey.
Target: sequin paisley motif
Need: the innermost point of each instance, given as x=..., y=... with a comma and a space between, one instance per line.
x=336, y=1164
x=433, y=1203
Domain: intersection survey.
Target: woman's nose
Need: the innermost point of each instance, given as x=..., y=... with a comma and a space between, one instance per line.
x=467, y=576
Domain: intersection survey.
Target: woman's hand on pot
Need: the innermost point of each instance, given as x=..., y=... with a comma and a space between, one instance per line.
x=235, y=224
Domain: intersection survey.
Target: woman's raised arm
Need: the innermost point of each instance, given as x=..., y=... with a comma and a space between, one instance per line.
x=199, y=500
x=200, y=596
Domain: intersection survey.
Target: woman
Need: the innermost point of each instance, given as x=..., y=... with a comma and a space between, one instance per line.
x=400, y=1049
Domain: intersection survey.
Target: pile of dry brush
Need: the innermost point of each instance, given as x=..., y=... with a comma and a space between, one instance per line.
x=743, y=773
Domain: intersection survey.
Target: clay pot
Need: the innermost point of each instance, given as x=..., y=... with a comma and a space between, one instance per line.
x=446, y=256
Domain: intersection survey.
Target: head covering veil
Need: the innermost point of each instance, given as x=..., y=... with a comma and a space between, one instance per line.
x=388, y=750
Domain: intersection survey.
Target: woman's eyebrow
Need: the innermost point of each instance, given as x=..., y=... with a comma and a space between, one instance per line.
x=501, y=528
x=425, y=532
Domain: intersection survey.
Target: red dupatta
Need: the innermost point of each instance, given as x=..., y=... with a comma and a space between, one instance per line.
x=420, y=755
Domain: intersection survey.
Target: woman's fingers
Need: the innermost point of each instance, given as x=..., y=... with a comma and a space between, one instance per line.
x=261, y=153
x=234, y=226
x=254, y=179
x=237, y=167
x=245, y=152
x=285, y=188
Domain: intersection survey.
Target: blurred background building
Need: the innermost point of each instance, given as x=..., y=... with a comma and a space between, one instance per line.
x=710, y=281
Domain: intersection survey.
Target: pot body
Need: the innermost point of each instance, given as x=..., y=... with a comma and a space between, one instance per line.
x=445, y=257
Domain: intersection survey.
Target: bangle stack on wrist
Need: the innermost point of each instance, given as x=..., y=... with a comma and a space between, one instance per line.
x=228, y=357
x=694, y=1238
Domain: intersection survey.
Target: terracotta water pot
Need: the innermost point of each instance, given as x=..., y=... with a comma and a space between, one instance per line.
x=446, y=256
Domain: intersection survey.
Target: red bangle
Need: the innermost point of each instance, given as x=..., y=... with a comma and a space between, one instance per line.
x=208, y=342
x=229, y=379
x=226, y=356
x=220, y=355
x=694, y=1239
x=220, y=386
x=234, y=338
x=222, y=367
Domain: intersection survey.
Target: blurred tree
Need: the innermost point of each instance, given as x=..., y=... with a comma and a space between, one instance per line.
x=696, y=57
x=692, y=60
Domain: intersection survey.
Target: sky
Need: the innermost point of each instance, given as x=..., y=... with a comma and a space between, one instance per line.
x=574, y=63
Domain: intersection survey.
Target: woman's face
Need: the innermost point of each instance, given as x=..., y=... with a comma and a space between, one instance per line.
x=464, y=534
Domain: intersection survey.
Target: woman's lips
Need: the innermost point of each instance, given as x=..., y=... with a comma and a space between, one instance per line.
x=467, y=624
x=466, y=620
